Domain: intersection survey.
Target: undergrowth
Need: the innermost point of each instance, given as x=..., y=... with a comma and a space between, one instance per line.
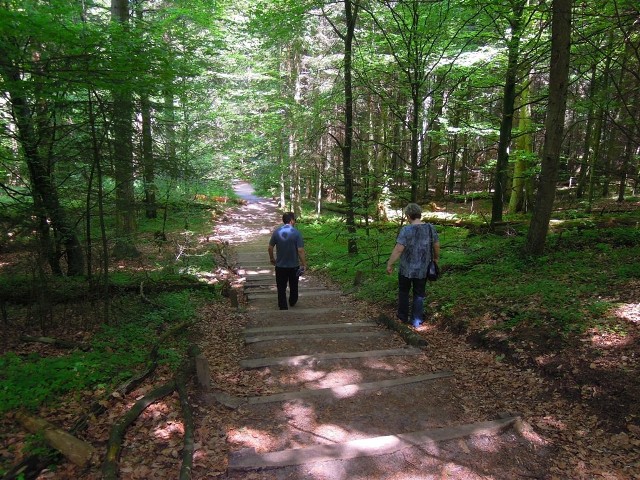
x=116, y=352
x=488, y=276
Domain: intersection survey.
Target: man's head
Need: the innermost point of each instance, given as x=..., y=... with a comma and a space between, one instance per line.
x=413, y=211
x=288, y=217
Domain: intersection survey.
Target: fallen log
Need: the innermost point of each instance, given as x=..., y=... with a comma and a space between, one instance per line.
x=77, y=451
x=56, y=342
x=114, y=446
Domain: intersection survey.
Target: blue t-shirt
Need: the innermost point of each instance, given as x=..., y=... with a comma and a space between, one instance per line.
x=417, y=249
x=287, y=240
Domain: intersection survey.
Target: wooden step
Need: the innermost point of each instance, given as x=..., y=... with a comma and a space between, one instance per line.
x=299, y=360
x=315, y=336
x=367, y=447
x=307, y=327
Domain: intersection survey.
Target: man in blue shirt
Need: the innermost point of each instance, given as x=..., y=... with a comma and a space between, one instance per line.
x=413, y=248
x=289, y=246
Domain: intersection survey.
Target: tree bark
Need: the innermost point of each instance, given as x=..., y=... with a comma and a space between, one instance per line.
x=77, y=451
x=351, y=16
x=123, y=148
x=521, y=184
x=148, y=160
x=110, y=464
x=506, y=124
x=44, y=191
x=554, y=125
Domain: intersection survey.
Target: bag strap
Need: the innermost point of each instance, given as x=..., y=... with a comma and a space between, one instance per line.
x=431, y=239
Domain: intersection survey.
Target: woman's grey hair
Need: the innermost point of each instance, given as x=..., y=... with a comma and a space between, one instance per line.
x=413, y=211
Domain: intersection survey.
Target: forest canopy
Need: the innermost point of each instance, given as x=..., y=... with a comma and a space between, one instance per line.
x=357, y=105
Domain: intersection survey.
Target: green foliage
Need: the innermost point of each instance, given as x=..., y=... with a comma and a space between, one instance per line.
x=488, y=276
x=117, y=351
x=471, y=196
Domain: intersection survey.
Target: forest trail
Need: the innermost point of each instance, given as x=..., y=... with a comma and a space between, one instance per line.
x=346, y=398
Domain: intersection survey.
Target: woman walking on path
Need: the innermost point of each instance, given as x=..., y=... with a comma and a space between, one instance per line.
x=289, y=246
x=413, y=248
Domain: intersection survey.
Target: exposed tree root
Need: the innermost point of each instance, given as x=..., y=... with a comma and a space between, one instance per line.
x=182, y=378
x=114, y=446
x=408, y=335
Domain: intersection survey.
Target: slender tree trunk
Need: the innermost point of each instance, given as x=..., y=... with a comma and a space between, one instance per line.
x=586, y=154
x=43, y=187
x=506, y=125
x=524, y=147
x=148, y=161
x=351, y=15
x=106, y=297
x=554, y=125
x=294, y=176
x=597, y=137
x=415, y=131
x=613, y=152
x=434, y=126
x=453, y=163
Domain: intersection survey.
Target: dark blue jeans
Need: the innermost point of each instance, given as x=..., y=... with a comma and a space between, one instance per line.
x=418, y=285
x=286, y=276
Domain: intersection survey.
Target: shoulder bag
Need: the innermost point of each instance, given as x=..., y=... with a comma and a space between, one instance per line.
x=433, y=271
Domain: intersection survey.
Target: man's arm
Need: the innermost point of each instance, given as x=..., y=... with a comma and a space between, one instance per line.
x=272, y=258
x=436, y=252
x=302, y=257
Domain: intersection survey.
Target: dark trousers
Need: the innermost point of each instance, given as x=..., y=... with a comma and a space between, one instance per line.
x=418, y=285
x=286, y=276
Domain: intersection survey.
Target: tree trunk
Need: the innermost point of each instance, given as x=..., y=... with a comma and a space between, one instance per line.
x=586, y=154
x=44, y=191
x=506, y=124
x=521, y=186
x=123, y=150
x=453, y=163
x=415, y=131
x=554, y=125
x=613, y=151
x=148, y=161
x=351, y=16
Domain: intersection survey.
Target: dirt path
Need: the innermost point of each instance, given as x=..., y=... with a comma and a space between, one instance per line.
x=344, y=398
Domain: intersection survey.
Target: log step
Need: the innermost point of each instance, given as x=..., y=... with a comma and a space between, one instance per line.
x=382, y=445
x=315, y=336
x=334, y=392
x=298, y=360
x=315, y=326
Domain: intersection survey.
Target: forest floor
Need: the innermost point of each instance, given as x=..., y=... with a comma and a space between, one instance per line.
x=578, y=397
